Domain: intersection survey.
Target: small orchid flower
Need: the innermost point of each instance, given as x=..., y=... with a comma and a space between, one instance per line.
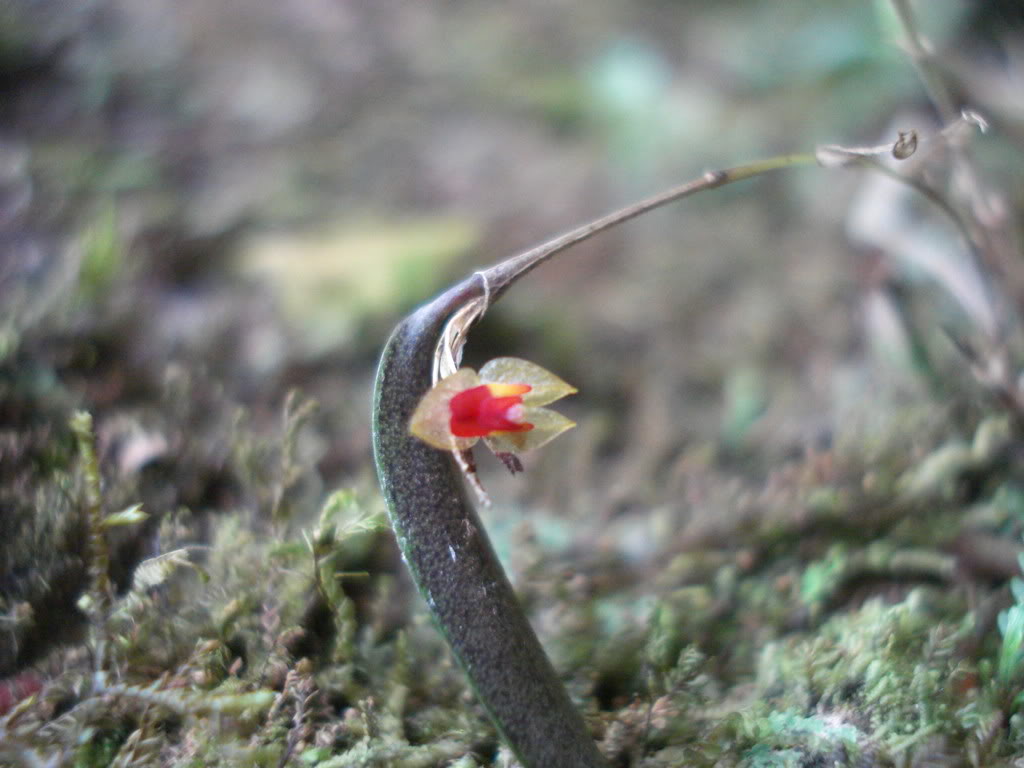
x=501, y=404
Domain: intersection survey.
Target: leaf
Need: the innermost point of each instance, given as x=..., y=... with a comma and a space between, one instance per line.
x=545, y=386
x=431, y=421
x=155, y=571
x=128, y=516
x=547, y=425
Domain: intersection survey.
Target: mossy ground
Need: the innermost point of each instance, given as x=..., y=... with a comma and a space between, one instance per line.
x=786, y=528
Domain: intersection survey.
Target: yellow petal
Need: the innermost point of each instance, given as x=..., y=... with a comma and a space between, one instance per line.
x=506, y=390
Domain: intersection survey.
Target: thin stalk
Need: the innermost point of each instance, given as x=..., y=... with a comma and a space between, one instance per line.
x=100, y=591
x=982, y=239
x=502, y=275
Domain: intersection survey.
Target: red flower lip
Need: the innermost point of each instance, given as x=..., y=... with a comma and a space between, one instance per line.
x=488, y=409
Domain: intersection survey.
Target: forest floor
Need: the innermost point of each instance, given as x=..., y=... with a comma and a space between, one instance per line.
x=787, y=529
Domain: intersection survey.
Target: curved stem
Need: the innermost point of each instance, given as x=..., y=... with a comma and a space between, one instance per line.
x=441, y=537
x=503, y=274
x=454, y=566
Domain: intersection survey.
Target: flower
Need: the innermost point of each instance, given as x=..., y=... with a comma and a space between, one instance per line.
x=500, y=405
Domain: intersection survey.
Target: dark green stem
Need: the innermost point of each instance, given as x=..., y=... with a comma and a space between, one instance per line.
x=441, y=537
x=454, y=565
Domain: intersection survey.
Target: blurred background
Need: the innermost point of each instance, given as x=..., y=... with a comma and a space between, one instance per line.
x=205, y=204
x=265, y=190
x=257, y=194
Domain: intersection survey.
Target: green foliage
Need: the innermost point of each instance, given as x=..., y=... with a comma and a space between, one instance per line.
x=821, y=578
x=99, y=594
x=785, y=737
x=885, y=668
x=1011, y=626
x=202, y=634
x=128, y=516
x=1010, y=660
x=296, y=414
x=743, y=404
x=259, y=595
x=98, y=748
x=102, y=255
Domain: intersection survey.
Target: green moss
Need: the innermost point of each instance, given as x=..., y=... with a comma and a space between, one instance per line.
x=102, y=255
x=98, y=748
x=884, y=668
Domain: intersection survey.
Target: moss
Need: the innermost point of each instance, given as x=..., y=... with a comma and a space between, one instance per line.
x=765, y=546
x=98, y=748
x=284, y=636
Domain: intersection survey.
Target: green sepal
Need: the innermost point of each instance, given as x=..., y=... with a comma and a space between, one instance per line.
x=431, y=421
x=547, y=425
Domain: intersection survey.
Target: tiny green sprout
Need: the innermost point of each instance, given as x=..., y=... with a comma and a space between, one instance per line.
x=128, y=516
x=501, y=404
x=1011, y=627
